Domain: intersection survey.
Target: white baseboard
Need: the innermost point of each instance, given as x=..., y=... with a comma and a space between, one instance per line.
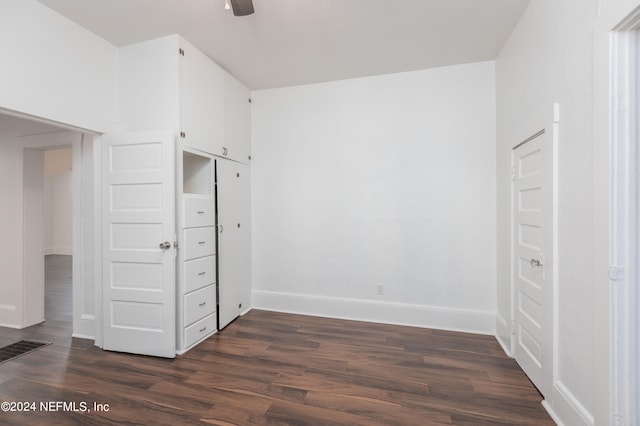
x=85, y=327
x=565, y=409
x=503, y=334
x=82, y=336
x=445, y=318
x=8, y=317
x=67, y=251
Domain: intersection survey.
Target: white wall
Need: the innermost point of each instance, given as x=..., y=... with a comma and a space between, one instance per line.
x=58, y=72
x=33, y=232
x=381, y=180
x=547, y=59
x=58, y=202
x=54, y=68
x=10, y=233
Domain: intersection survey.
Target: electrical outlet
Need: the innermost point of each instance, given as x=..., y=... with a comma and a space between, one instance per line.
x=380, y=289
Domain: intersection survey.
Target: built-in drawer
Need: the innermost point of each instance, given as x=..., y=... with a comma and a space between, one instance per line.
x=199, y=212
x=199, y=330
x=199, y=304
x=199, y=273
x=199, y=242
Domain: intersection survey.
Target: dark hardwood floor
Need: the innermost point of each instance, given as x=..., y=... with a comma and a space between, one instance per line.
x=276, y=369
x=58, y=308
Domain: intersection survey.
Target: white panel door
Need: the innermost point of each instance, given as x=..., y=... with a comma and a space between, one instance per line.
x=138, y=234
x=234, y=240
x=533, y=256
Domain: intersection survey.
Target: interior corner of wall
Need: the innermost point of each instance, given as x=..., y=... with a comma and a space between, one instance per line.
x=503, y=334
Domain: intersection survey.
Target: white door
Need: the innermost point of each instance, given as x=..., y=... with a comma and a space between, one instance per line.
x=138, y=234
x=237, y=119
x=201, y=100
x=234, y=250
x=532, y=239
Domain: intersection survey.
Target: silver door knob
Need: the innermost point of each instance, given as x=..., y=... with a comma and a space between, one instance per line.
x=535, y=263
x=165, y=246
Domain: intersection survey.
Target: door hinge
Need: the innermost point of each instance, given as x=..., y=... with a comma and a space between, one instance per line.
x=513, y=327
x=616, y=273
x=175, y=245
x=181, y=52
x=513, y=174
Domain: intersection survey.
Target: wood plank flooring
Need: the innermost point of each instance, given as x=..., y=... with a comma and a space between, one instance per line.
x=278, y=369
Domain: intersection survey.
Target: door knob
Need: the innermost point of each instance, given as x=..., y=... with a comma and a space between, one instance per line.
x=165, y=246
x=535, y=263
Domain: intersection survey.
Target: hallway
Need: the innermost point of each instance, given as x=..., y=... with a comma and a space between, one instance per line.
x=58, y=325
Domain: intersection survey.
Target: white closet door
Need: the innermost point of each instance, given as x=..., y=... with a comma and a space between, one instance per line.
x=234, y=240
x=138, y=234
x=533, y=257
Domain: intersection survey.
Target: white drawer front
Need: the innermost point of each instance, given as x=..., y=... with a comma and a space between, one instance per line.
x=199, y=304
x=199, y=242
x=199, y=273
x=199, y=330
x=199, y=212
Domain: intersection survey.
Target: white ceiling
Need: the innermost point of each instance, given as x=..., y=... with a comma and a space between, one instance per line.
x=293, y=42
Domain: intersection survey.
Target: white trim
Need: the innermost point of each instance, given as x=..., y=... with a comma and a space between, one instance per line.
x=82, y=336
x=97, y=237
x=13, y=326
x=437, y=317
x=566, y=409
x=623, y=222
x=503, y=334
x=552, y=414
x=64, y=251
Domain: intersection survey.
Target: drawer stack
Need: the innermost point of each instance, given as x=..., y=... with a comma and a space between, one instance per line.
x=199, y=269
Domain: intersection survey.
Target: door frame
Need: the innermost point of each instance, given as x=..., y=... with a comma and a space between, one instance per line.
x=624, y=220
x=82, y=216
x=547, y=119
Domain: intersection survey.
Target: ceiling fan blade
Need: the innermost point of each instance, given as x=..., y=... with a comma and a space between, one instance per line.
x=242, y=7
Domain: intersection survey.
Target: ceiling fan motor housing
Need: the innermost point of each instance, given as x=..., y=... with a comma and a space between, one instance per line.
x=242, y=7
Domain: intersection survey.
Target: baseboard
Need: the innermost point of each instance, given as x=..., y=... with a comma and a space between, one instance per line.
x=66, y=251
x=445, y=318
x=503, y=334
x=85, y=328
x=565, y=409
x=8, y=316
x=82, y=336
x=552, y=414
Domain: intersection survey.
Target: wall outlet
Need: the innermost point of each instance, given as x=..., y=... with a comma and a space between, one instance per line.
x=380, y=289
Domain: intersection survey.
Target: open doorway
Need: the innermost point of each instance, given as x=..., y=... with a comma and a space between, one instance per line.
x=48, y=222
x=30, y=236
x=58, y=239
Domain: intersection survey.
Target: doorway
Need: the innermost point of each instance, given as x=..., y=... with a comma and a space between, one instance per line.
x=58, y=239
x=80, y=218
x=48, y=218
